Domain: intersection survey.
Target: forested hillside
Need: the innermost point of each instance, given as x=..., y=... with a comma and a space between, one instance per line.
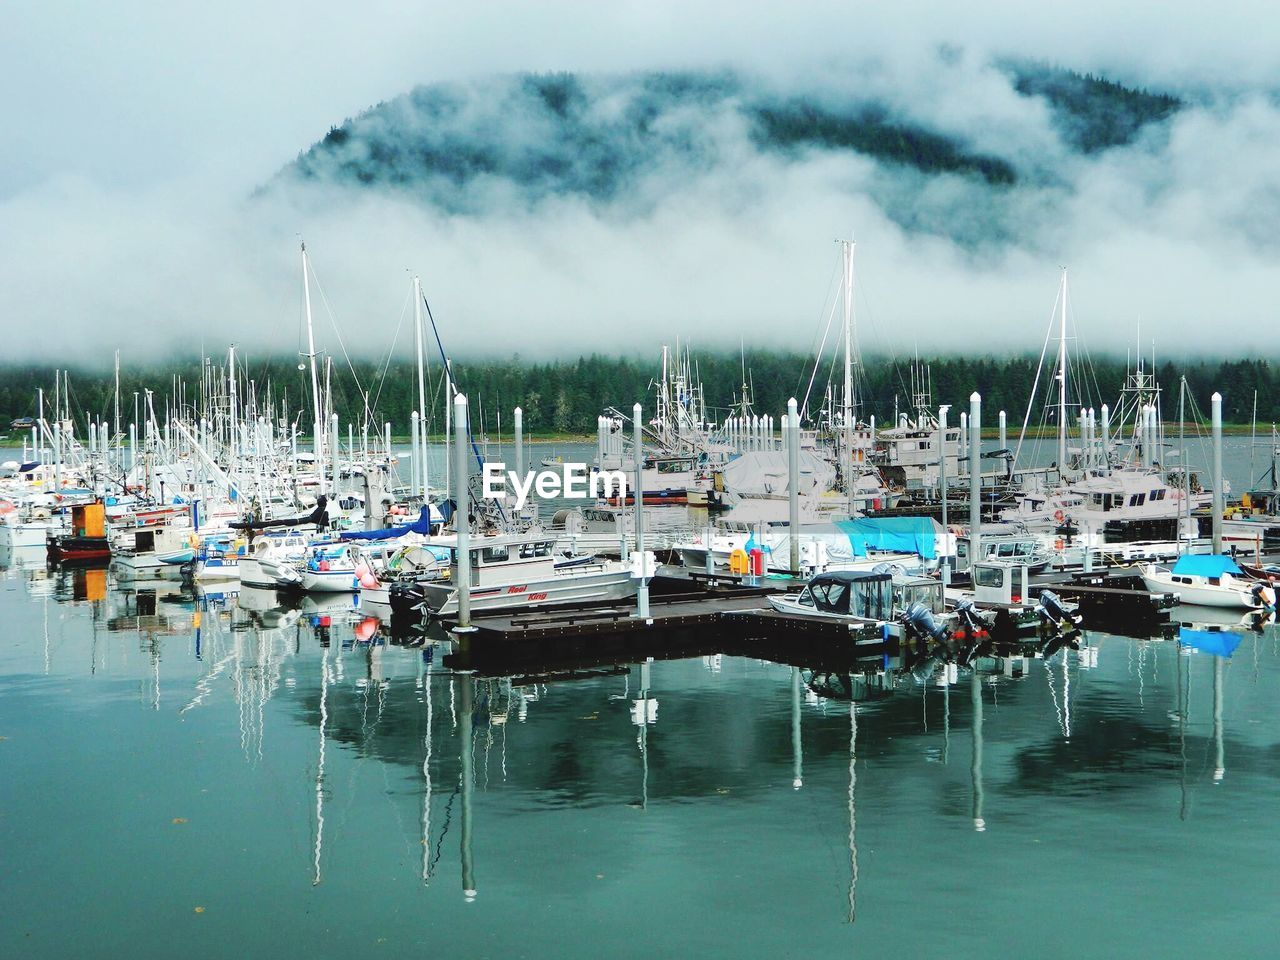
x=566, y=396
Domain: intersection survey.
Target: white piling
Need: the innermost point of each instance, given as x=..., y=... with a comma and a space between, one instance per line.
x=519, y=419
x=942, y=490
x=1106, y=437
x=462, y=522
x=793, y=483
x=642, y=595
x=975, y=474
x=1216, y=402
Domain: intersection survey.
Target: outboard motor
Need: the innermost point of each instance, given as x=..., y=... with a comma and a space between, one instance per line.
x=1052, y=611
x=1264, y=595
x=970, y=620
x=974, y=628
x=919, y=620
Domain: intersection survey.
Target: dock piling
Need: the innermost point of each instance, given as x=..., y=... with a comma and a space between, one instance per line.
x=793, y=483
x=975, y=474
x=462, y=514
x=1216, y=402
x=642, y=595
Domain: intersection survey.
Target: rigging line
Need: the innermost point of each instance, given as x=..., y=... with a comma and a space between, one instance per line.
x=333, y=322
x=804, y=407
x=831, y=288
x=382, y=377
x=444, y=360
x=1031, y=399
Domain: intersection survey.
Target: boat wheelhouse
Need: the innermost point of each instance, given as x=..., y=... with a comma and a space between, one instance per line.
x=521, y=572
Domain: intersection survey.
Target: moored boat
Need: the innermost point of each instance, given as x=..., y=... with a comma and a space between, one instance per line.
x=1212, y=580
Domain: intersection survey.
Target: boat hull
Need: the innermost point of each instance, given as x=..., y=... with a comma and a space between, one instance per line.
x=76, y=549
x=330, y=581
x=605, y=585
x=1207, y=595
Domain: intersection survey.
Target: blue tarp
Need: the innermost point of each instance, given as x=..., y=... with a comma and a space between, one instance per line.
x=422, y=525
x=902, y=534
x=1220, y=643
x=1208, y=565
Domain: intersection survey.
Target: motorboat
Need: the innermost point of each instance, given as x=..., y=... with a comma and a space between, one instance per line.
x=330, y=568
x=521, y=572
x=272, y=561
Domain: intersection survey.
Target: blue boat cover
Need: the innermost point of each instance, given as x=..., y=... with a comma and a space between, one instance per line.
x=1207, y=565
x=1220, y=643
x=902, y=534
x=422, y=525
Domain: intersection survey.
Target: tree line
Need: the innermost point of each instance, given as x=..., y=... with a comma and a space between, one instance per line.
x=566, y=396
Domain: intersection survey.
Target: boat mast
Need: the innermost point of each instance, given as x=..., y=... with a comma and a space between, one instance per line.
x=317, y=439
x=1062, y=382
x=422, y=390
x=1182, y=452
x=847, y=249
x=233, y=425
x=117, y=405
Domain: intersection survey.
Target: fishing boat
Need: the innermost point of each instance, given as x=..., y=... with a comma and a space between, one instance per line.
x=148, y=550
x=218, y=559
x=407, y=563
x=843, y=595
x=330, y=568
x=272, y=561
x=88, y=538
x=1212, y=580
x=521, y=572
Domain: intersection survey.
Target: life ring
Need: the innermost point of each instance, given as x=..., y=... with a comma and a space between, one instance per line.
x=1059, y=515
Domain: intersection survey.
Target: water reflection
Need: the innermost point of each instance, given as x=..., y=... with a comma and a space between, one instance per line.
x=485, y=743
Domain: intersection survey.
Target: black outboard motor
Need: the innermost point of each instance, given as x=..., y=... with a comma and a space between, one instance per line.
x=970, y=620
x=974, y=628
x=1052, y=611
x=919, y=620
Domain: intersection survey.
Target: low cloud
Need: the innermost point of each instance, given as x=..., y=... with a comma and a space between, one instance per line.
x=726, y=240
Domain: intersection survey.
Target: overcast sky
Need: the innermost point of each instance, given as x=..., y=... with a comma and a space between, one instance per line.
x=133, y=131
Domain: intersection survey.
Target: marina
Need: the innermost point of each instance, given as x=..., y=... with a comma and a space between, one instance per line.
x=639, y=481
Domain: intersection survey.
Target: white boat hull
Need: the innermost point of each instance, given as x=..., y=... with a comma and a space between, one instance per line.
x=614, y=582
x=217, y=571
x=268, y=574
x=330, y=581
x=16, y=535
x=1201, y=595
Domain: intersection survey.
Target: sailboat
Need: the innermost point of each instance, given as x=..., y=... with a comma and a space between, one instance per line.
x=1212, y=580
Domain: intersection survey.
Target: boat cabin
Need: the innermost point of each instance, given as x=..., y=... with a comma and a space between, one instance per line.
x=924, y=590
x=1004, y=582
x=501, y=559
x=89, y=519
x=1009, y=549
x=850, y=593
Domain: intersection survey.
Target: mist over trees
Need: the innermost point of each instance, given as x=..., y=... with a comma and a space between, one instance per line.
x=526, y=136
x=565, y=396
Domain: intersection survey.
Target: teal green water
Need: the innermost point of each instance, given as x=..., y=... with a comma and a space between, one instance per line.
x=268, y=796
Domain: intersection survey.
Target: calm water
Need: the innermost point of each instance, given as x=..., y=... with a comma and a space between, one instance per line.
x=201, y=780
